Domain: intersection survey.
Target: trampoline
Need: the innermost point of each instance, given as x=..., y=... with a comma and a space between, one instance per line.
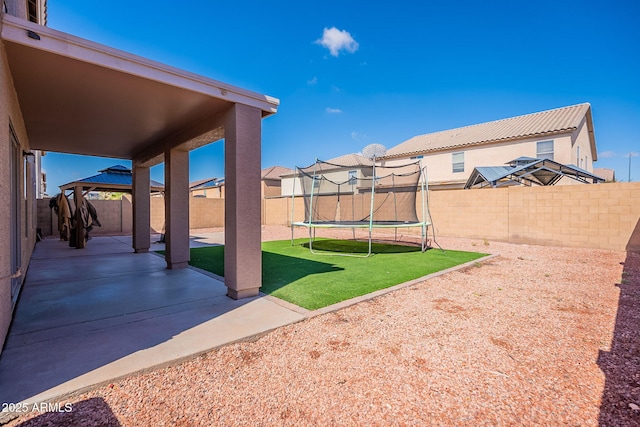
x=368, y=195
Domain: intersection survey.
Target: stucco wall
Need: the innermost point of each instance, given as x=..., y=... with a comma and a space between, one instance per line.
x=440, y=165
x=10, y=114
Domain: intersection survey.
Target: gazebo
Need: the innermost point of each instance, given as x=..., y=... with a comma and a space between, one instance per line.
x=114, y=178
x=528, y=171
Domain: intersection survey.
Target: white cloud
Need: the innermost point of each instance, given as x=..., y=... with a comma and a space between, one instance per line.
x=337, y=40
x=357, y=136
x=333, y=110
x=632, y=154
x=312, y=81
x=606, y=154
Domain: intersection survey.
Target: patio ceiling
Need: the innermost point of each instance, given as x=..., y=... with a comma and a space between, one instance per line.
x=80, y=97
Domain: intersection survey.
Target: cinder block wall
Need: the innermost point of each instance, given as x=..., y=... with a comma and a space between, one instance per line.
x=471, y=213
x=206, y=213
x=602, y=216
x=277, y=211
x=605, y=216
x=157, y=214
x=114, y=215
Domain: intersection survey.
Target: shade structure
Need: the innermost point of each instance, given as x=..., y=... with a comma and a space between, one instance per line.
x=114, y=178
x=528, y=171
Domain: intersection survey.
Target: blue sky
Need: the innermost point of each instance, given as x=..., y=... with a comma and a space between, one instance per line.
x=385, y=72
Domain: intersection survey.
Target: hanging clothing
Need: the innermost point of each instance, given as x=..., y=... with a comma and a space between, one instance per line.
x=62, y=208
x=84, y=222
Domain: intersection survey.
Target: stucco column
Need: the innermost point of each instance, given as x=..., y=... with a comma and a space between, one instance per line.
x=242, y=252
x=176, y=208
x=141, y=209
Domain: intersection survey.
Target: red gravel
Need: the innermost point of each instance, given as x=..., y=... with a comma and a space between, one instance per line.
x=538, y=336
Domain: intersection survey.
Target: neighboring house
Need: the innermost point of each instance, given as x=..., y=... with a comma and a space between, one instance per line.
x=357, y=166
x=63, y=93
x=272, y=180
x=210, y=188
x=609, y=175
x=564, y=135
x=213, y=188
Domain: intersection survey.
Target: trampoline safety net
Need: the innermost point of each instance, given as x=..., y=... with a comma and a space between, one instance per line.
x=372, y=194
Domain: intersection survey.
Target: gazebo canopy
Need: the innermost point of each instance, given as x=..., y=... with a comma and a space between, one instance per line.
x=528, y=171
x=115, y=178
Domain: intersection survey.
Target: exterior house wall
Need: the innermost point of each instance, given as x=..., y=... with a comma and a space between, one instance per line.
x=287, y=181
x=440, y=164
x=287, y=186
x=581, y=143
x=209, y=193
x=11, y=118
x=270, y=188
x=17, y=8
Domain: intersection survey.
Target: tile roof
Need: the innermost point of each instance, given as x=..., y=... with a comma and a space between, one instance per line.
x=275, y=172
x=351, y=160
x=530, y=125
x=113, y=178
x=201, y=182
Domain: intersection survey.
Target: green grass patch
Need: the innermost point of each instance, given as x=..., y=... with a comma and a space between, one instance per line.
x=314, y=281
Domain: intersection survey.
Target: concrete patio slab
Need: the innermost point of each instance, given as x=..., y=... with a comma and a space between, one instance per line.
x=90, y=316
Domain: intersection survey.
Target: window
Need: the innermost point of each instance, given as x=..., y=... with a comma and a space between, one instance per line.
x=545, y=150
x=416, y=157
x=353, y=177
x=33, y=11
x=458, y=162
x=578, y=159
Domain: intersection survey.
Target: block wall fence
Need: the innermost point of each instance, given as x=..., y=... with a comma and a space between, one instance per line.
x=604, y=216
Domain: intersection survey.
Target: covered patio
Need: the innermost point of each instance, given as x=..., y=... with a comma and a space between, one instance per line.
x=92, y=316
x=80, y=97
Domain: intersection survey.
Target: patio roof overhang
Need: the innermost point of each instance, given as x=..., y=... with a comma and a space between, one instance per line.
x=80, y=97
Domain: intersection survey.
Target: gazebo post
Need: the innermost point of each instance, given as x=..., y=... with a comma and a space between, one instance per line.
x=79, y=235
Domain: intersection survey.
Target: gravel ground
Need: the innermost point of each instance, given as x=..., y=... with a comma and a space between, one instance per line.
x=537, y=336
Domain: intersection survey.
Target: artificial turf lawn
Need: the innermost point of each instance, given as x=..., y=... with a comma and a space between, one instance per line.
x=314, y=281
